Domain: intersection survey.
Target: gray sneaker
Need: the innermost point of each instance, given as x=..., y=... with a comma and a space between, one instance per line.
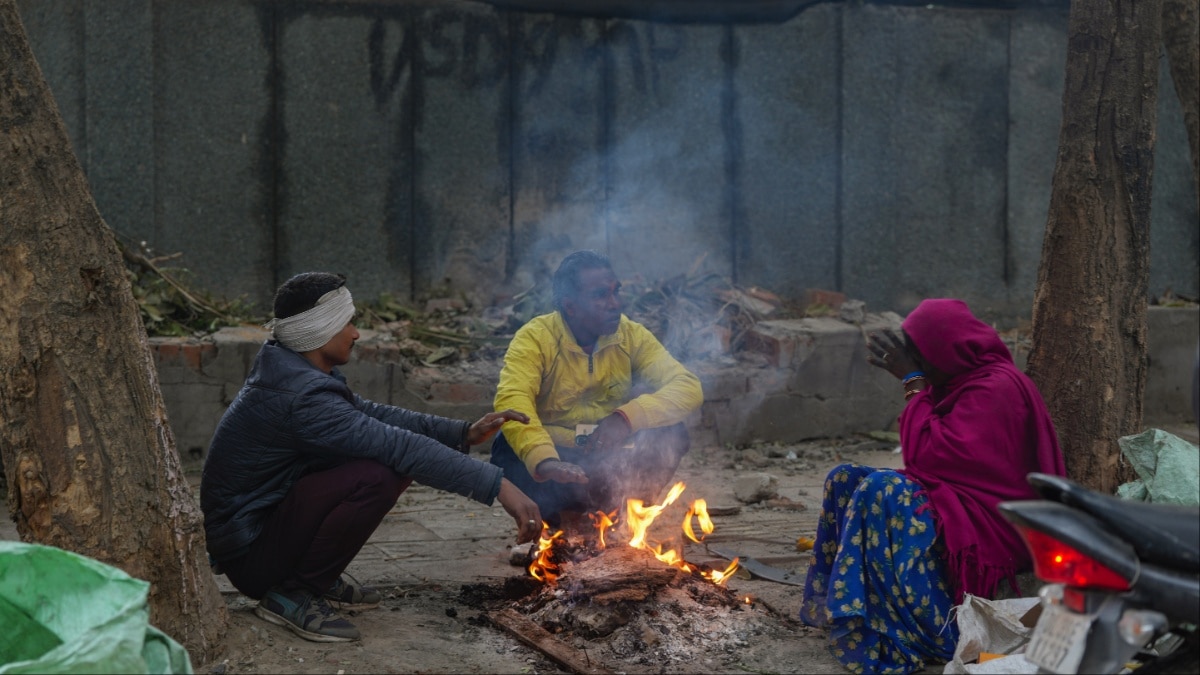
x=306, y=615
x=347, y=593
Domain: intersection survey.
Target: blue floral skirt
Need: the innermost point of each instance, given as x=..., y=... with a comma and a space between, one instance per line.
x=878, y=578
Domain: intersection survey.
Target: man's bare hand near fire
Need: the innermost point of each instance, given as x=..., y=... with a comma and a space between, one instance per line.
x=561, y=472
x=610, y=434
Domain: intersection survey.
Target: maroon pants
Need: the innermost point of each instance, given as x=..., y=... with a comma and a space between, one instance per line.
x=322, y=523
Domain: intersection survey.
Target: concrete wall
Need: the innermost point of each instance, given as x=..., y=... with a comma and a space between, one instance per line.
x=892, y=153
x=812, y=381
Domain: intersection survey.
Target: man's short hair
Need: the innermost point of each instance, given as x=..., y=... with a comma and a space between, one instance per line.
x=566, y=277
x=301, y=292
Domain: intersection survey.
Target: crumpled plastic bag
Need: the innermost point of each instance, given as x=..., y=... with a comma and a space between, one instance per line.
x=1167, y=466
x=61, y=612
x=992, y=626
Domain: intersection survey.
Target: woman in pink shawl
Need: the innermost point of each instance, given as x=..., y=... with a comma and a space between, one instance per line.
x=895, y=550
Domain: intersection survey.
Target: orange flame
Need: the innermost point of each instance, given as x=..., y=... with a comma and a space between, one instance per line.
x=700, y=510
x=639, y=517
x=719, y=578
x=603, y=521
x=543, y=568
x=637, y=525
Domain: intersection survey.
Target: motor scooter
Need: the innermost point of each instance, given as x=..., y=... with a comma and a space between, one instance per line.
x=1122, y=580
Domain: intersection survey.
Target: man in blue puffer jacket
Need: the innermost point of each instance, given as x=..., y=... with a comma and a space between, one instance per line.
x=301, y=470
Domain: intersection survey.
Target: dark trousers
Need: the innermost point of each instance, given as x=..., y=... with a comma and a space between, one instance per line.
x=640, y=472
x=318, y=528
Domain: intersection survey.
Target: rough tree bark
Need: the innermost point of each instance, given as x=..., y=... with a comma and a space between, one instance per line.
x=1181, y=37
x=1089, y=313
x=90, y=458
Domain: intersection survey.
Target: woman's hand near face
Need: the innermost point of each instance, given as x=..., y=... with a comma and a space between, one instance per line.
x=889, y=352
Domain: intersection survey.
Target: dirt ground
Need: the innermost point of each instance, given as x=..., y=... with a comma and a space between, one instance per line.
x=435, y=552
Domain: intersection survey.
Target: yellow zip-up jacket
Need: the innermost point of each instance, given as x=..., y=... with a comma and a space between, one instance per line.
x=549, y=377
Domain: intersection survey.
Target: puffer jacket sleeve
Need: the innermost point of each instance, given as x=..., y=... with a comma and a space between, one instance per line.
x=327, y=422
x=448, y=432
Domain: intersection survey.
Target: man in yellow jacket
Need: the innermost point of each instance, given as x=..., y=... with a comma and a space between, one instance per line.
x=588, y=364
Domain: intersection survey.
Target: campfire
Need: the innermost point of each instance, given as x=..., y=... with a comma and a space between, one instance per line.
x=607, y=591
x=621, y=562
x=554, y=549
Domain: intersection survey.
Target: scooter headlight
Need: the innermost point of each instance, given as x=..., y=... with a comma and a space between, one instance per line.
x=1138, y=626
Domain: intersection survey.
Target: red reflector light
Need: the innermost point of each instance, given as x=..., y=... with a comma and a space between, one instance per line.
x=1075, y=600
x=1057, y=563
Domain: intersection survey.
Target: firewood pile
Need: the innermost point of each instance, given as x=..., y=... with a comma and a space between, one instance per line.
x=620, y=609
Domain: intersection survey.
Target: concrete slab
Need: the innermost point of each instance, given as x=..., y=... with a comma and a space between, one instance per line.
x=787, y=111
x=1173, y=334
x=214, y=172
x=411, y=143
x=923, y=176
x=558, y=173
x=1174, y=235
x=1035, y=91
x=462, y=126
x=55, y=31
x=673, y=141
x=347, y=204
x=118, y=53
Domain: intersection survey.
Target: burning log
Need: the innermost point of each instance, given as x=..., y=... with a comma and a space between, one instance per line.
x=617, y=574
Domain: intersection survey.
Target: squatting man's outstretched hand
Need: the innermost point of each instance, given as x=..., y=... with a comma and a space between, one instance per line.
x=522, y=509
x=489, y=424
x=519, y=506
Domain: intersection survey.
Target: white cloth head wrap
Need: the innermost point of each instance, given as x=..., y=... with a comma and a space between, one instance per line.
x=312, y=328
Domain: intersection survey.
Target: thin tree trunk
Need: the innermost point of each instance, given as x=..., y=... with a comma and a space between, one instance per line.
x=1089, y=315
x=84, y=438
x=1181, y=37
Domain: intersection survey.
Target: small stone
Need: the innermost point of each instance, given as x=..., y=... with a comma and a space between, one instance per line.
x=756, y=487
x=853, y=311
x=444, y=305
x=521, y=554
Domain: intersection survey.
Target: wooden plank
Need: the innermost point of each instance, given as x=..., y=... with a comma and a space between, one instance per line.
x=533, y=635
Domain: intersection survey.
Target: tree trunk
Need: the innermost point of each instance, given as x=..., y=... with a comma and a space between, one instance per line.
x=90, y=458
x=1181, y=37
x=1089, y=314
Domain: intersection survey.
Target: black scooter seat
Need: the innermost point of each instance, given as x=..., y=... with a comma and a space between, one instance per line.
x=1162, y=534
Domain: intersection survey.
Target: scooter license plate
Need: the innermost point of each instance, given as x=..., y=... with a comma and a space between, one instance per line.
x=1058, y=640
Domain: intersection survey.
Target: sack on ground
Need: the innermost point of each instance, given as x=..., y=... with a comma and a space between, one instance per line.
x=66, y=613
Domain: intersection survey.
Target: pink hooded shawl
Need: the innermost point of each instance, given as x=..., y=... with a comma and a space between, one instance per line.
x=971, y=442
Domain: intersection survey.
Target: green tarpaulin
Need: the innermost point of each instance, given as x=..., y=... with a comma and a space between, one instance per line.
x=1167, y=466
x=65, y=613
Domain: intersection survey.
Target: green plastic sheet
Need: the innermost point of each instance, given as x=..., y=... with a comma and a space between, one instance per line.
x=1167, y=466
x=61, y=612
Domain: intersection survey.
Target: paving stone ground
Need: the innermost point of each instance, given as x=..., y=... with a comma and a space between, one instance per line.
x=433, y=543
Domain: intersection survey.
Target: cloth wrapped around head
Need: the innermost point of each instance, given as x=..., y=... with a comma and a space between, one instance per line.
x=312, y=328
